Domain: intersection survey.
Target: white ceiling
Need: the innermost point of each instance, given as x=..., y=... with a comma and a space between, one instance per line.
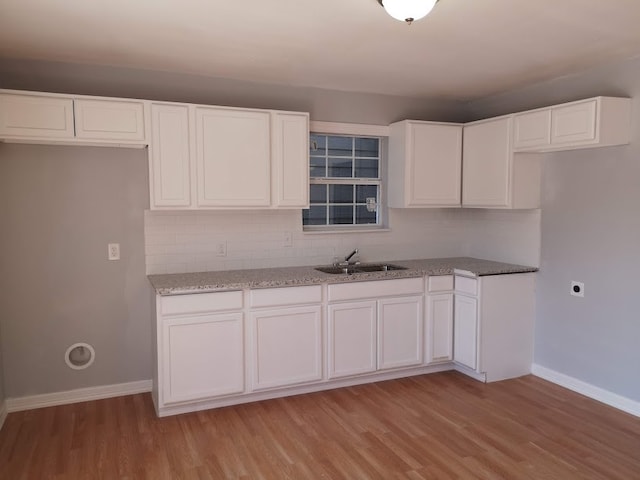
x=465, y=49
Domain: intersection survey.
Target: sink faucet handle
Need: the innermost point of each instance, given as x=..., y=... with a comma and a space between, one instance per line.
x=348, y=257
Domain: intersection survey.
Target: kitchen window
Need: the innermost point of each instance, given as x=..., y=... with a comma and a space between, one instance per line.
x=345, y=182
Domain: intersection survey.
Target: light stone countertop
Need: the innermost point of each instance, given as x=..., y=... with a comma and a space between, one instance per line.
x=216, y=281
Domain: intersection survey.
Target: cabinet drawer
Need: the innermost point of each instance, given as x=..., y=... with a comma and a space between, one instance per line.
x=201, y=302
x=381, y=288
x=273, y=297
x=442, y=283
x=466, y=285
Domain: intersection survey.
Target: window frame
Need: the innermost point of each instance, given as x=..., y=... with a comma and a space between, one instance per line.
x=355, y=130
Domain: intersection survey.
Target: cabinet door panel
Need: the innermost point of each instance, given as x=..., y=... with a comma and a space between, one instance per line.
x=202, y=357
x=109, y=120
x=435, y=163
x=532, y=129
x=465, y=327
x=287, y=346
x=400, y=338
x=486, y=171
x=352, y=339
x=170, y=156
x=439, y=337
x=291, y=160
x=574, y=123
x=233, y=158
x=36, y=116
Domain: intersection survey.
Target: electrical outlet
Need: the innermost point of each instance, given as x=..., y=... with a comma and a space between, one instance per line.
x=577, y=289
x=287, y=240
x=221, y=249
x=113, y=250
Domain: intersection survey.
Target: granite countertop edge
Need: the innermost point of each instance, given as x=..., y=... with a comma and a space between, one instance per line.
x=229, y=280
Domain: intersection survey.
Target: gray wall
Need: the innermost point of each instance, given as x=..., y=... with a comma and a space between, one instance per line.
x=325, y=105
x=61, y=206
x=590, y=233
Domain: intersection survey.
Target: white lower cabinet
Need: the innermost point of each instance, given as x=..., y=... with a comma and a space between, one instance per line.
x=352, y=339
x=287, y=346
x=400, y=339
x=438, y=337
x=465, y=332
x=203, y=357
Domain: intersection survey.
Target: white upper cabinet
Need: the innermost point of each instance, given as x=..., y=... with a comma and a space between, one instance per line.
x=425, y=162
x=35, y=116
x=224, y=158
x=109, y=120
x=493, y=177
x=290, y=159
x=170, y=156
x=52, y=118
x=233, y=152
x=595, y=122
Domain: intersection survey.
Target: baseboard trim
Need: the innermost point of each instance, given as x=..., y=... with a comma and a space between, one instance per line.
x=3, y=413
x=75, y=396
x=596, y=393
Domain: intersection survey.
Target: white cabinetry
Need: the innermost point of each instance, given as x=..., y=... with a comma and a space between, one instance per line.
x=425, y=163
x=493, y=177
x=493, y=325
x=595, y=122
x=200, y=345
x=351, y=339
x=286, y=341
x=50, y=118
x=224, y=158
x=370, y=334
x=35, y=116
x=170, y=156
x=109, y=119
x=439, y=319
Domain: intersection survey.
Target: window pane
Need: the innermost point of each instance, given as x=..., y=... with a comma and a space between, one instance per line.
x=364, y=216
x=317, y=144
x=316, y=215
x=340, y=167
x=318, y=193
x=366, y=191
x=317, y=167
x=367, y=147
x=340, y=193
x=340, y=215
x=340, y=146
x=367, y=168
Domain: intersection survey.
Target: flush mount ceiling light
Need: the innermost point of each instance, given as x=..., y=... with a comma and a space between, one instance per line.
x=408, y=10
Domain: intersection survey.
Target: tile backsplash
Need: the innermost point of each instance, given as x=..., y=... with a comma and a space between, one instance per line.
x=190, y=241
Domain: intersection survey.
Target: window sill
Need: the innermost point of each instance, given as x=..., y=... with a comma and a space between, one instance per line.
x=330, y=231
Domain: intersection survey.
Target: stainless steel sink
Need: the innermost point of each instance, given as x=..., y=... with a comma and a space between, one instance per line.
x=360, y=268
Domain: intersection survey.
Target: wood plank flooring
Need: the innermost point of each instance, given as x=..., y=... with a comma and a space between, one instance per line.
x=439, y=426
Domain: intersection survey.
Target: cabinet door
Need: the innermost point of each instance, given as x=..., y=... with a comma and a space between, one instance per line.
x=170, y=156
x=287, y=346
x=435, y=164
x=352, y=339
x=487, y=164
x=109, y=119
x=574, y=123
x=233, y=157
x=290, y=160
x=35, y=116
x=465, y=328
x=439, y=334
x=202, y=357
x=400, y=337
x=532, y=129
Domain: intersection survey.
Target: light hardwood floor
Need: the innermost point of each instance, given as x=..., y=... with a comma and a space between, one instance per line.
x=437, y=426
